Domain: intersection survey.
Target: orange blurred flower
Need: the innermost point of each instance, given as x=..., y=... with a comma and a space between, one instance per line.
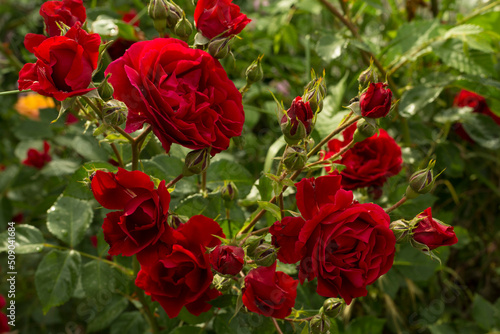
x=29, y=105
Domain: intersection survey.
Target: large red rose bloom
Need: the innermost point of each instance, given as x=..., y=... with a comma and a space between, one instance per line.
x=68, y=12
x=219, y=17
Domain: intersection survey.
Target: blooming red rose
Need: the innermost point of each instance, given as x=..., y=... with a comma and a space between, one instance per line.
x=346, y=245
x=432, y=232
x=219, y=17
x=38, y=159
x=297, y=122
x=176, y=272
x=375, y=102
x=285, y=237
x=183, y=93
x=64, y=64
x=368, y=163
x=269, y=292
x=143, y=218
x=68, y=12
x=227, y=260
x=478, y=105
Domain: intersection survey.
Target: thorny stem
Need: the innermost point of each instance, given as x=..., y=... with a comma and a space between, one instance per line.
x=335, y=132
x=147, y=311
x=397, y=205
x=278, y=329
x=118, y=156
x=174, y=181
x=334, y=157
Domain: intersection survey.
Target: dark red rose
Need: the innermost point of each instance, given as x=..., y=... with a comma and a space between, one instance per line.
x=36, y=158
x=64, y=64
x=129, y=16
x=368, y=163
x=478, y=104
x=176, y=272
x=71, y=119
x=346, y=245
x=219, y=17
x=183, y=93
x=269, y=292
x=432, y=232
x=296, y=123
x=4, y=321
x=376, y=101
x=143, y=218
x=285, y=237
x=68, y=12
x=227, y=260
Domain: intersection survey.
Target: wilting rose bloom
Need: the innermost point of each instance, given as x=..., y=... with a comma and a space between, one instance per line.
x=227, y=260
x=68, y=12
x=368, y=163
x=219, y=17
x=344, y=244
x=183, y=93
x=64, y=64
x=269, y=292
x=376, y=101
x=432, y=232
x=144, y=210
x=176, y=272
x=36, y=158
x=478, y=104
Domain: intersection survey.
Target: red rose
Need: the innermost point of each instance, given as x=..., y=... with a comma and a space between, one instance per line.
x=376, y=101
x=4, y=321
x=64, y=64
x=38, y=159
x=269, y=292
x=478, y=104
x=432, y=232
x=143, y=218
x=296, y=123
x=219, y=17
x=68, y=12
x=227, y=260
x=183, y=93
x=285, y=237
x=346, y=245
x=368, y=163
x=176, y=272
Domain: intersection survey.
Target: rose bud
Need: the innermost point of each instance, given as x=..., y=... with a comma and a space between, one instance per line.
x=105, y=89
x=252, y=243
x=297, y=122
x=219, y=18
x=265, y=255
x=375, y=102
x=367, y=76
x=183, y=29
x=319, y=325
x=295, y=158
x=158, y=12
x=196, y=162
x=174, y=14
x=227, y=260
x=315, y=92
x=432, y=232
x=222, y=284
x=229, y=193
x=115, y=112
x=175, y=221
x=401, y=230
x=219, y=48
x=422, y=181
x=332, y=307
x=254, y=72
x=364, y=130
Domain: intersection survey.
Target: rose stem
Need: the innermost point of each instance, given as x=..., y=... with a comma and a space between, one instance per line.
x=174, y=181
x=278, y=329
x=149, y=315
x=229, y=223
x=9, y=92
x=136, y=146
x=397, y=205
x=204, y=182
x=334, y=157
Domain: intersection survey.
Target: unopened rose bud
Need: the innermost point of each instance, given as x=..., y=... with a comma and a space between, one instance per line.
x=315, y=93
x=297, y=122
x=229, y=192
x=367, y=76
x=158, y=12
x=364, y=130
x=105, y=89
x=265, y=255
x=219, y=48
x=227, y=260
x=332, y=307
x=254, y=72
x=401, y=230
x=319, y=325
x=183, y=28
x=174, y=14
x=221, y=283
x=196, y=162
x=429, y=233
x=252, y=243
x=376, y=101
x=295, y=158
x=422, y=181
x=115, y=112
x=174, y=221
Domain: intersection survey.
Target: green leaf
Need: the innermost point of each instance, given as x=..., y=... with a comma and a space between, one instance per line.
x=271, y=208
x=272, y=152
x=192, y=319
x=108, y=314
x=414, y=264
x=97, y=278
x=56, y=277
x=462, y=30
x=483, y=130
x=414, y=100
x=60, y=167
x=330, y=47
x=29, y=239
x=129, y=323
x=89, y=148
x=197, y=204
x=243, y=323
x=167, y=168
x=68, y=219
x=484, y=313
x=442, y=329
x=31, y=130
x=105, y=26
x=225, y=170
x=367, y=324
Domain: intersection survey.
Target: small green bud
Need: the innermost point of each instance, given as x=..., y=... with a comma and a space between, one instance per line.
x=158, y=12
x=105, y=89
x=174, y=14
x=319, y=325
x=219, y=48
x=295, y=158
x=254, y=72
x=367, y=76
x=422, y=181
x=174, y=221
x=115, y=112
x=183, y=28
x=229, y=192
x=315, y=92
x=364, y=130
x=222, y=284
x=401, y=230
x=252, y=243
x=332, y=307
x=265, y=255
x=196, y=162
